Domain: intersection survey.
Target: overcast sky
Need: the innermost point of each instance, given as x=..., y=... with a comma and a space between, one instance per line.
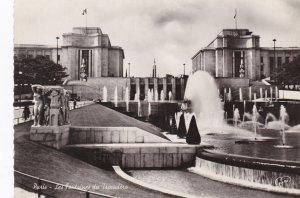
x=171, y=31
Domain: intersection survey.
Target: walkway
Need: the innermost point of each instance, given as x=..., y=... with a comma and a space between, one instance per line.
x=50, y=164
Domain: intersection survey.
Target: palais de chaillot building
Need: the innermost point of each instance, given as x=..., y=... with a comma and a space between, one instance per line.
x=234, y=58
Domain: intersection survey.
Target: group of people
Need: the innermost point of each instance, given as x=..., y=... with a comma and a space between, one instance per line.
x=51, y=105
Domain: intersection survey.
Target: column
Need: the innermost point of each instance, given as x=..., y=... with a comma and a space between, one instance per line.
x=182, y=88
x=173, y=81
x=165, y=86
x=146, y=86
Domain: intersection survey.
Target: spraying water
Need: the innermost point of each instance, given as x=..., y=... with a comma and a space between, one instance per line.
x=116, y=96
x=149, y=110
x=162, y=95
x=270, y=117
x=229, y=95
x=254, y=119
x=261, y=93
x=241, y=94
x=266, y=95
x=271, y=93
x=104, y=94
x=250, y=93
x=202, y=91
x=156, y=96
x=283, y=118
x=139, y=109
x=276, y=93
x=170, y=96
x=127, y=98
x=236, y=116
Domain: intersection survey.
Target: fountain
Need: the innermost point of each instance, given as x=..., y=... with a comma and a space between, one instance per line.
x=116, y=96
x=244, y=105
x=283, y=119
x=271, y=93
x=170, y=96
x=149, y=110
x=104, y=94
x=162, y=95
x=271, y=117
x=152, y=95
x=139, y=108
x=266, y=95
x=225, y=93
x=137, y=96
x=254, y=120
x=241, y=94
x=229, y=95
x=254, y=97
x=261, y=93
x=156, y=96
x=276, y=93
x=236, y=116
x=127, y=99
x=250, y=93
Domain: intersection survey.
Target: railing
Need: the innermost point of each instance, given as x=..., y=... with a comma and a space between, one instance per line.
x=19, y=120
x=47, y=188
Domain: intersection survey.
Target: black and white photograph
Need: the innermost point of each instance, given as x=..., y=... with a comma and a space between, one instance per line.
x=153, y=99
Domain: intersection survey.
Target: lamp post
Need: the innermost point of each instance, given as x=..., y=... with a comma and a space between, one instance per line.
x=20, y=86
x=129, y=70
x=57, y=49
x=183, y=69
x=274, y=40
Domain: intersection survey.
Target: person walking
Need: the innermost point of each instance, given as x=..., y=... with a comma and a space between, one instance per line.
x=26, y=112
x=74, y=103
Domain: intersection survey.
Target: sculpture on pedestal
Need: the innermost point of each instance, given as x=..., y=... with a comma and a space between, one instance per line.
x=51, y=105
x=38, y=100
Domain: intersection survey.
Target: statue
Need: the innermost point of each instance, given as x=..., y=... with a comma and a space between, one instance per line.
x=83, y=74
x=51, y=105
x=38, y=100
x=66, y=107
x=55, y=106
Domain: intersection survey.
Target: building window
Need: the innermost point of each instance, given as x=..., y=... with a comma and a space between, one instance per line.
x=261, y=59
x=287, y=59
x=279, y=61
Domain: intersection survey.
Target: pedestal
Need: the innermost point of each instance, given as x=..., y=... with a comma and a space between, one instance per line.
x=53, y=136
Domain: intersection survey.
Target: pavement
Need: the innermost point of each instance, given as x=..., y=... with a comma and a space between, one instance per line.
x=47, y=163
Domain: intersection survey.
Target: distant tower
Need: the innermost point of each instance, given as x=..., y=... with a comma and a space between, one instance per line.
x=154, y=69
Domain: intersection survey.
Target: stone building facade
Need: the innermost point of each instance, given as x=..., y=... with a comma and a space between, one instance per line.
x=83, y=43
x=93, y=88
x=104, y=66
x=236, y=53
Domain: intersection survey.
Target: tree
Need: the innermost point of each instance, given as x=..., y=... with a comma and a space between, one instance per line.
x=289, y=73
x=193, y=136
x=39, y=70
x=181, y=132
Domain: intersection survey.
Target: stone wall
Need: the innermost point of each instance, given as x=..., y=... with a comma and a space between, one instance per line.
x=135, y=156
x=99, y=135
x=259, y=176
x=52, y=136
